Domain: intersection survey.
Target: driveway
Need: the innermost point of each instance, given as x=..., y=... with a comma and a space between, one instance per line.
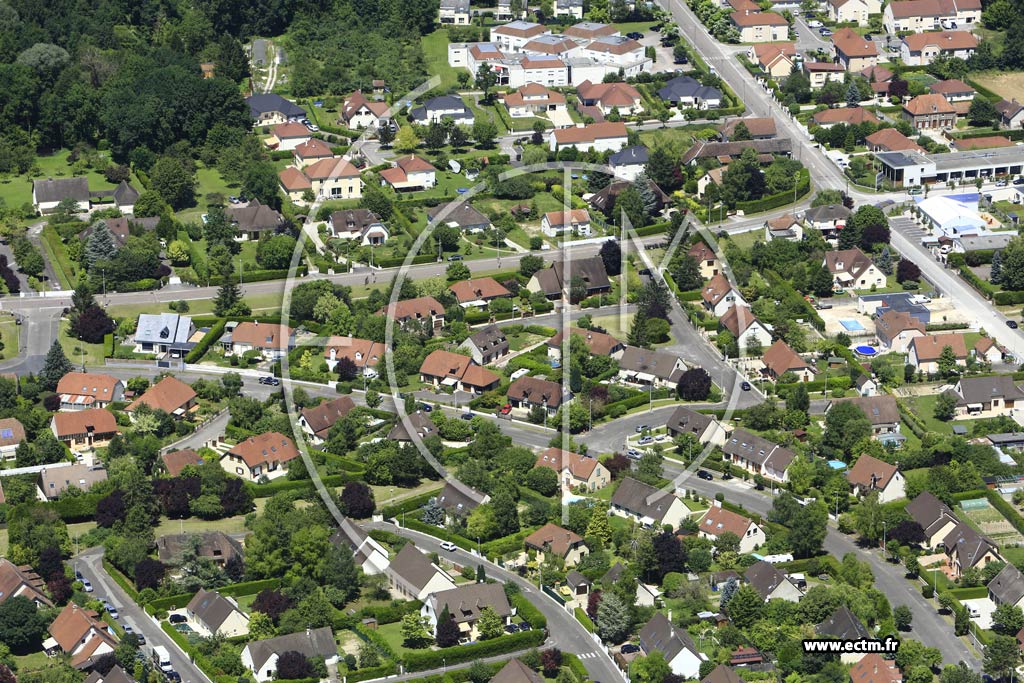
x=984, y=608
x=90, y=564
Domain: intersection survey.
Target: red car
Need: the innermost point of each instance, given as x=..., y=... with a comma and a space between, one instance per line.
x=506, y=409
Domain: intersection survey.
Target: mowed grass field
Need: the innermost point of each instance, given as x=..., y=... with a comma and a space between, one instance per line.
x=1010, y=85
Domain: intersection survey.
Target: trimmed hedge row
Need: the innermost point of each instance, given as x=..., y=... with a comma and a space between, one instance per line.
x=507, y=544
x=189, y=276
x=416, y=260
x=985, y=288
x=776, y=200
x=969, y=593
x=1008, y=298
x=275, y=487
x=410, y=504
x=915, y=423
x=121, y=580
x=1005, y=509
x=381, y=671
x=390, y=614
x=433, y=659
x=582, y=617
x=208, y=340
x=654, y=229
x=77, y=508
x=529, y=612
x=637, y=401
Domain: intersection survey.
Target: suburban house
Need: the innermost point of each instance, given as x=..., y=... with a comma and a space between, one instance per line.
x=924, y=352
x=287, y=136
x=866, y=386
x=598, y=343
x=929, y=111
x=934, y=516
x=706, y=259
x=776, y=59
x=47, y=194
x=464, y=604
x=609, y=97
x=487, y=345
x=843, y=625
x=705, y=428
x=164, y=334
x=986, y=350
x=601, y=137
x=176, y=461
x=746, y=328
x=852, y=269
x=555, y=278
x=454, y=12
x=1011, y=113
x=717, y=521
x=270, y=341
x=681, y=653
x=80, y=634
x=571, y=8
x=760, y=27
x=849, y=116
x=215, y=546
x=821, y=73
x=515, y=671
x=557, y=541
x=647, y=505
x=647, y=367
x=409, y=173
x=359, y=112
x=420, y=424
x=722, y=674
x=269, y=109
x=785, y=227
x=533, y=99
x=209, y=613
x=604, y=199
x=413, y=576
x=758, y=455
x=22, y=582
x=363, y=353
x=629, y=163
x=686, y=92
x=421, y=310
x=919, y=49
x=719, y=295
x=771, y=583
x=461, y=215
x=828, y=218
x=369, y=555
x=987, y=396
x=1007, y=588
x=84, y=430
x=870, y=474
x=575, y=470
x=437, y=109
x=316, y=421
x=529, y=392
x=12, y=433
x=254, y=220
x=916, y=16
x=444, y=368
x=310, y=152
x=891, y=140
x=896, y=329
x=294, y=183
x=853, y=51
x=264, y=456
x=846, y=11
x=780, y=359
x=968, y=549
x=260, y=656
x=757, y=128
x=84, y=390
x=359, y=224
x=170, y=395
x=576, y=222
x=881, y=411
x=334, y=178
x=458, y=501
x=873, y=668
x=478, y=292
x=513, y=36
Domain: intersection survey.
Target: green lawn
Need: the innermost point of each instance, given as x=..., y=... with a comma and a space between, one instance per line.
x=746, y=240
x=57, y=255
x=79, y=352
x=614, y=325
x=208, y=180
x=435, y=53
x=9, y=334
x=924, y=407
x=34, y=662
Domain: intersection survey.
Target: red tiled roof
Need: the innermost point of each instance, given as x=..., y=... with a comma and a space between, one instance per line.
x=268, y=447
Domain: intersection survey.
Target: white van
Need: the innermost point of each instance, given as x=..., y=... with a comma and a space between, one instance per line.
x=162, y=658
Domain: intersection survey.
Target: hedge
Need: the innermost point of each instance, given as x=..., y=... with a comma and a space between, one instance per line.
x=507, y=544
x=250, y=587
x=641, y=399
x=1005, y=509
x=121, y=580
x=776, y=200
x=416, y=260
x=434, y=659
x=206, y=342
x=654, y=229
x=943, y=327
x=973, y=280
x=382, y=671
x=247, y=276
x=974, y=593
x=529, y=612
x=582, y=617
x=275, y=487
x=915, y=423
x=1010, y=298
x=575, y=665
x=409, y=504
x=391, y=613
x=77, y=508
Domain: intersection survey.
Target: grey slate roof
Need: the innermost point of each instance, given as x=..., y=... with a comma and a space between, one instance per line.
x=318, y=642
x=591, y=269
x=115, y=675
x=212, y=545
x=686, y=87
x=465, y=215
x=490, y=338
x=211, y=608
x=256, y=217
x=457, y=501
x=413, y=566
x=827, y=213
x=984, y=389
x=445, y=103
x=420, y=422
x=981, y=242
x=636, y=497
x=661, y=364
x=465, y=602
x=163, y=328
x=629, y=155
x=613, y=574
x=926, y=509
x=842, y=625
x=660, y=635
x=968, y=544
x=758, y=450
x=262, y=103
x=689, y=421
x=125, y=194
x=764, y=578
x=709, y=150
x=62, y=188
x=517, y=672
x=1008, y=586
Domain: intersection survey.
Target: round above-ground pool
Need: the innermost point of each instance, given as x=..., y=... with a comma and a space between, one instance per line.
x=865, y=350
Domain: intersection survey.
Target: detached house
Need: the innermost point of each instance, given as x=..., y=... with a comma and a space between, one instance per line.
x=84, y=390
x=418, y=423
x=316, y=421
x=22, y=582
x=775, y=59
x=895, y=330
x=934, y=517
x=270, y=340
x=647, y=367
x=771, y=583
x=84, y=430
x=265, y=456
x=288, y=136
x=871, y=474
x=1011, y=113
x=209, y=613
x=176, y=461
x=360, y=112
x=843, y=625
x=1007, y=588
x=873, y=668
x=987, y=396
x=164, y=333
x=487, y=345
x=682, y=655
x=359, y=224
x=687, y=92
x=254, y=220
x=464, y=604
x=80, y=634
x=785, y=227
x=916, y=16
x=47, y=194
x=529, y=392
x=444, y=368
x=557, y=541
x=780, y=359
x=363, y=353
x=609, y=97
x=478, y=292
x=647, y=505
x=598, y=343
x=930, y=111
x=891, y=140
x=268, y=109
x=533, y=99
x=555, y=279
x=705, y=428
x=574, y=221
x=852, y=269
x=454, y=12
x=748, y=331
x=410, y=173
x=424, y=309
x=717, y=521
x=706, y=259
x=849, y=116
x=461, y=215
x=760, y=27
x=170, y=395
x=414, y=577
x=968, y=549
x=601, y=137
x=846, y=11
x=436, y=109
x=758, y=455
x=719, y=295
x=924, y=352
x=821, y=73
x=920, y=49
x=881, y=411
x=575, y=470
x=261, y=656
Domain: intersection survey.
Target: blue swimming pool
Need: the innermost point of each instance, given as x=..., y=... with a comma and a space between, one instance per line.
x=865, y=350
x=852, y=325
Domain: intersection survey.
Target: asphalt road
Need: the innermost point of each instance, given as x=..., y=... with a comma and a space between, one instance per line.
x=90, y=564
x=563, y=628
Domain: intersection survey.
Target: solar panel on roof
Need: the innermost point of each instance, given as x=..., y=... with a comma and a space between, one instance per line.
x=6, y=433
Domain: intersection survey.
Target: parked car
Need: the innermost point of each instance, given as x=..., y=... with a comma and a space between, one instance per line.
x=745, y=386
x=814, y=23
x=511, y=628
x=642, y=428
x=825, y=33
x=1012, y=324
x=111, y=610
x=525, y=626
x=455, y=257
x=270, y=381
x=127, y=628
x=426, y=408
x=177, y=619
x=141, y=638
x=466, y=416
x=448, y=546
x=635, y=35
x=629, y=648
x=86, y=586
x=1001, y=182
x=173, y=675
x=633, y=454
x=705, y=475
x=645, y=440
x=506, y=409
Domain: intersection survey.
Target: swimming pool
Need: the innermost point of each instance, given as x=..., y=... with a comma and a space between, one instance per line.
x=852, y=325
x=865, y=350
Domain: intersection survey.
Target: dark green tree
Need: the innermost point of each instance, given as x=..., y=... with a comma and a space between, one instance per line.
x=55, y=367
